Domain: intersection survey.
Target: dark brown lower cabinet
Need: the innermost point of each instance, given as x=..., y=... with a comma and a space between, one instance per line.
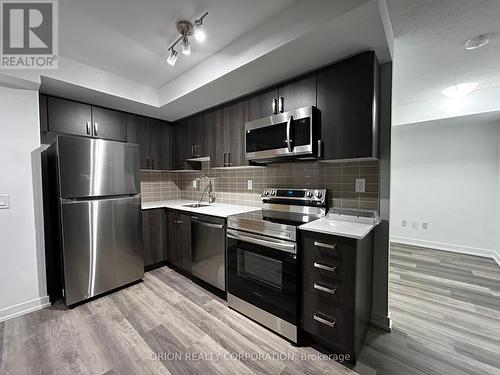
x=179, y=239
x=154, y=232
x=336, y=291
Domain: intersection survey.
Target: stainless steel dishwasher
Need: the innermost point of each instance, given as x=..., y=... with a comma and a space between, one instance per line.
x=208, y=243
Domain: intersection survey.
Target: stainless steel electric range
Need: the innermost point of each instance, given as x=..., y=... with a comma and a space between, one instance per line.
x=262, y=270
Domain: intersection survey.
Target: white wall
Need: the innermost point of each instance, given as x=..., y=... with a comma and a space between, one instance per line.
x=446, y=173
x=22, y=266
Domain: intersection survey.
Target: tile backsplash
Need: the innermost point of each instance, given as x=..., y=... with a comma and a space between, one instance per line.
x=231, y=185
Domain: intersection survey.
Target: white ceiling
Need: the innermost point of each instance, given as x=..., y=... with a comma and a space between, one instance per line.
x=429, y=53
x=130, y=38
x=112, y=52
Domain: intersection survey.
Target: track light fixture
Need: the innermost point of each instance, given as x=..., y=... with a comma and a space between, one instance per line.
x=187, y=29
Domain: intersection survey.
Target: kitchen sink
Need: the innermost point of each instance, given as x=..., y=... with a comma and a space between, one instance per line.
x=195, y=205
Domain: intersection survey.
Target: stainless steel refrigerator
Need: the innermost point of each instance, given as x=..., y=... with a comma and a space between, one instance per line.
x=96, y=187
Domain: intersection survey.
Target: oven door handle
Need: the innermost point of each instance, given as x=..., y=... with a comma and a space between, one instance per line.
x=289, y=248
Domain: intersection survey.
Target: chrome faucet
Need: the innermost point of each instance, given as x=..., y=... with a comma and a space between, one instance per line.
x=211, y=196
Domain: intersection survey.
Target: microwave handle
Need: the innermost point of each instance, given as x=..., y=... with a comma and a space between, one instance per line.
x=289, y=248
x=288, y=129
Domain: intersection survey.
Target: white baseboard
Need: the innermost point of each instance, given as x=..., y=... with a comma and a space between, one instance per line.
x=381, y=321
x=24, y=308
x=485, y=253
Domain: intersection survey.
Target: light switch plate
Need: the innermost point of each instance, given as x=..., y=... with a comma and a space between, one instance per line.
x=249, y=184
x=4, y=201
x=195, y=183
x=360, y=185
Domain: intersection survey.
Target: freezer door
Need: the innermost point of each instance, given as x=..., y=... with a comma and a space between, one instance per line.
x=94, y=167
x=102, y=246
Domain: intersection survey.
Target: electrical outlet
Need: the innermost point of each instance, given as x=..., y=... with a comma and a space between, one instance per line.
x=404, y=223
x=195, y=183
x=360, y=185
x=425, y=225
x=249, y=184
x=414, y=224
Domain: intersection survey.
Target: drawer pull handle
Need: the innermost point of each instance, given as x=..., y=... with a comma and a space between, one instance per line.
x=324, y=289
x=325, y=267
x=324, y=321
x=325, y=245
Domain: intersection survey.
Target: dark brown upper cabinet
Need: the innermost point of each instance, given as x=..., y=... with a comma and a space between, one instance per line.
x=297, y=93
x=227, y=127
x=348, y=97
x=138, y=132
x=196, y=137
x=69, y=117
x=154, y=140
x=262, y=104
x=66, y=116
x=109, y=124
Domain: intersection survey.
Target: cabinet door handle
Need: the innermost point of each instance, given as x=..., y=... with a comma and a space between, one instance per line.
x=96, y=128
x=325, y=245
x=324, y=289
x=225, y=153
x=147, y=163
x=325, y=267
x=229, y=159
x=323, y=321
x=88, y=127
x=274, y=107
x=153, y=163
x=280, y=105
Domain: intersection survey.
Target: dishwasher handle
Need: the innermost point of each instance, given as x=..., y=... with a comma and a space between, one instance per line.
x=205, y=224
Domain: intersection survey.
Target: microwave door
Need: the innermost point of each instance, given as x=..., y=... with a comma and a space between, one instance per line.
x=266, y=141
x=283, y=135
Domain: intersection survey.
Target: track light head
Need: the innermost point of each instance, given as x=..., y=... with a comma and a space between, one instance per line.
x=185, y=46
x=199, y=30
x=172, y=57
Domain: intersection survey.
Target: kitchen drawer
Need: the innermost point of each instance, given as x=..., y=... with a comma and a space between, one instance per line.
x=339, y=295
x=327, y=246
x=321, y=319
x=329, y=267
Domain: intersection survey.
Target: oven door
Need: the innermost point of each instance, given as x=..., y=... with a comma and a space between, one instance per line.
x=282, y=135
x=263, y=272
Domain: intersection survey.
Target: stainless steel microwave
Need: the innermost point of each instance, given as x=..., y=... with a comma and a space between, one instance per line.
x=288, y=135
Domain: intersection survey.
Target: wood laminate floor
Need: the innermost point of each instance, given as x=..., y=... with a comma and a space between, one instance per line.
x=445, y=309
x=160, y=326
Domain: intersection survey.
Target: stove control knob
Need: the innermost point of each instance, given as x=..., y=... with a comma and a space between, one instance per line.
x=266, y=192
x=273, y=193
x=309, y=194
x=318, y=194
